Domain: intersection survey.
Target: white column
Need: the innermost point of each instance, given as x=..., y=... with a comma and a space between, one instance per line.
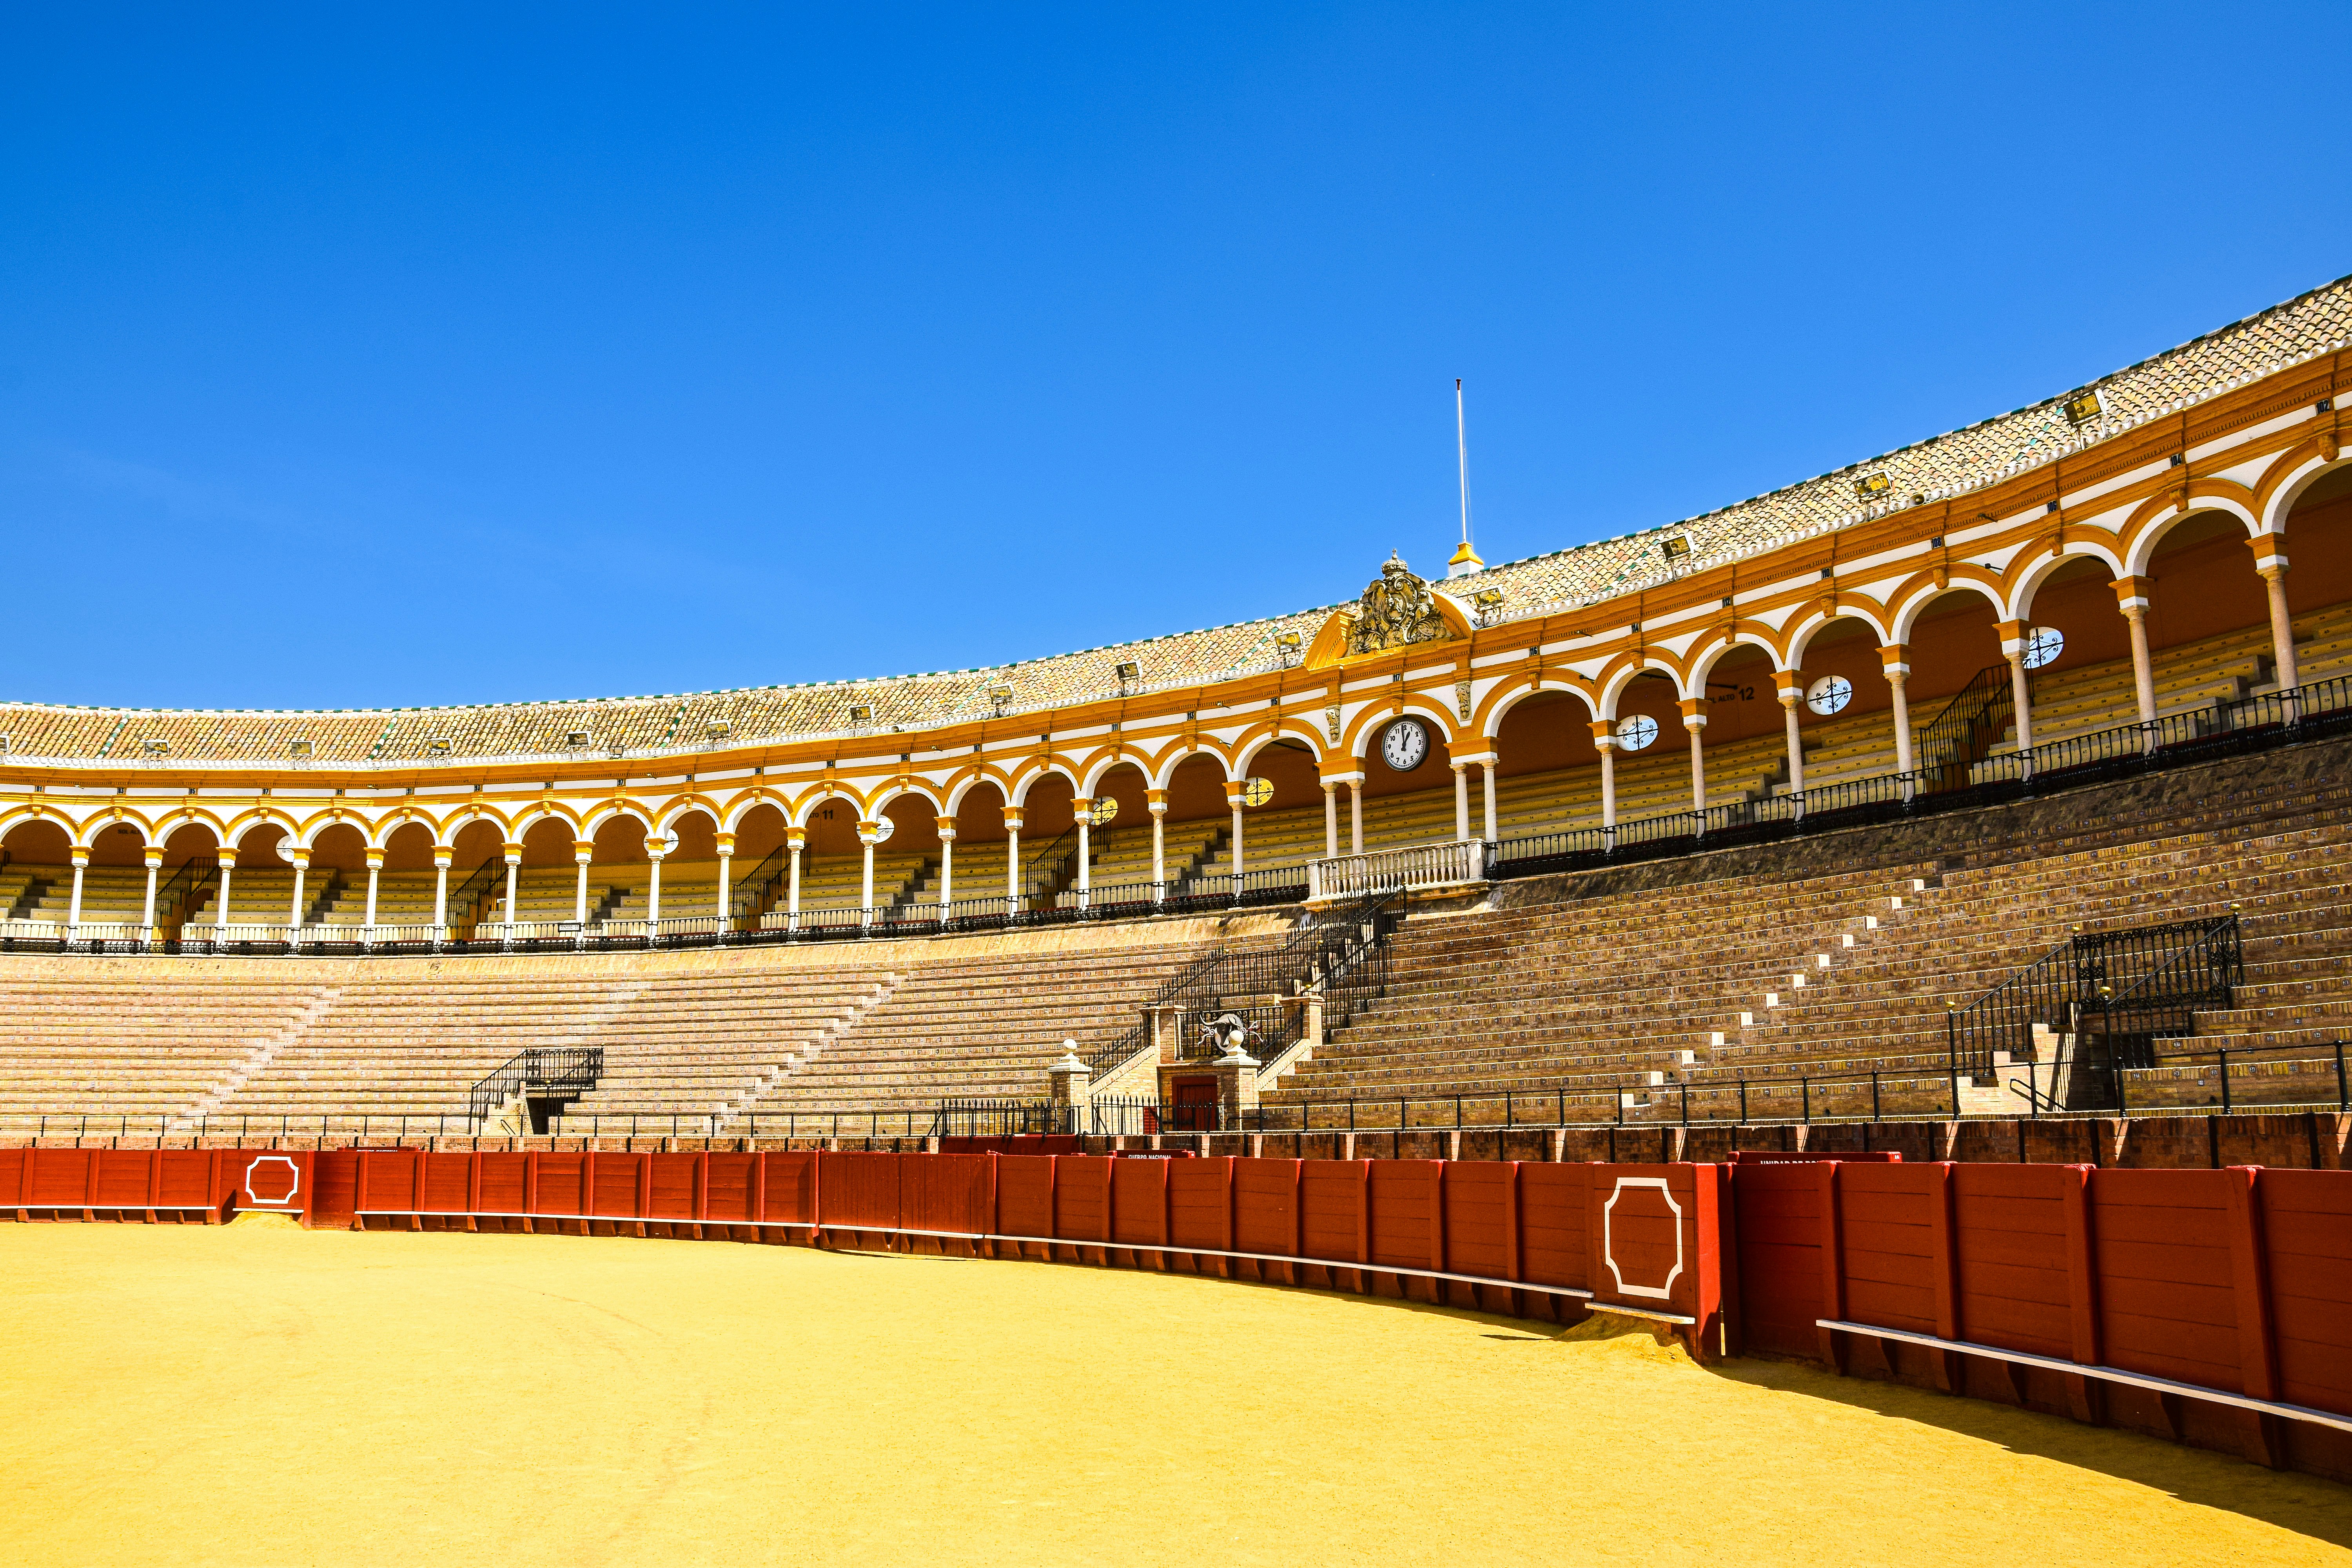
x=73, y=910
x=796, y=838
x=1013, y=859
x=655, y=849
x=1488, y=768
x=1083, y=810
x=580, y=855
x=947, y=827
x=1695, y=721
x=220, y=905
x=1604, y=741
x=866, y=832
x=1156, y=802
x=300, y=860
x=1234, y=799
x=1792, y=692
x=2131, y=598
x=1330, y=819
x=441, y=891
x=514, y=860
x=726, y=870
x=1461, y=799
x=2271, y=561
x=1893, y=661
x=1356, y=815
x=155, y=858
x=2012, y=648
x=376, y=870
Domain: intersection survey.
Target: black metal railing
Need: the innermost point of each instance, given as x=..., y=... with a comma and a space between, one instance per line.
x=753, y=888
x=487, y=881
x=1967, y=725
x=2136, y=983
x=561, y=1073
x=178, y=895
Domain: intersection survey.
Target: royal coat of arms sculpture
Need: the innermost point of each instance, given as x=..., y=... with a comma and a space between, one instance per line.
x=1397, y=609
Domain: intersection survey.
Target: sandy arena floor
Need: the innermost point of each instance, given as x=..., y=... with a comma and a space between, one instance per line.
x=261, y=1396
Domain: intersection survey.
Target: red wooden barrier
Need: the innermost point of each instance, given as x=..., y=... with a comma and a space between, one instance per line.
x=206, y=1184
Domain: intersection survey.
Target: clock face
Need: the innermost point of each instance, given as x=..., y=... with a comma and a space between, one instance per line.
x=1404, y=745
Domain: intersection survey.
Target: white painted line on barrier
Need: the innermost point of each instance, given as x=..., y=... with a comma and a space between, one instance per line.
x=2104, y=1374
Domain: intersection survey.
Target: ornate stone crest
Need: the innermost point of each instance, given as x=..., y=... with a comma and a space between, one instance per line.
x=1396, y=610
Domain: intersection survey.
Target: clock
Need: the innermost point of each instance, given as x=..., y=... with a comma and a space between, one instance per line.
x=1405, y=745
x=1106, y=807
x=1830, y=694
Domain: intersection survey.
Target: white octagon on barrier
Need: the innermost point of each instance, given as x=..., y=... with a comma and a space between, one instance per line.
x=1608, y=1241
x=293, y=1180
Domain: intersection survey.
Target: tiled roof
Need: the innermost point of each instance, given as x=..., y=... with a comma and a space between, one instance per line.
x=1982, y=453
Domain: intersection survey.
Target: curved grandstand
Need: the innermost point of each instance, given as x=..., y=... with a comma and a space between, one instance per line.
x=1732, y=820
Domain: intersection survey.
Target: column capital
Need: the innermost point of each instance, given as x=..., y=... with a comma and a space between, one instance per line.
x=1790, y=683
x=1604, y=735
x=1155, y=801
x=375, y=859
x=1082, y=808
x=2131, y=594
x=79, y=855
x=2270, y=558
x=228, y=857
x=1486, y=759
x=869, y=832
x=1014, y=818
x=1234, y=788
x=2012, y=636
x=726, y=845
x=946, y=828
x=298, y=856
x=441, y=855
x=513, y=853
x=796, y=837
x=1694, y=712
x=582, y=850
x=154, y=855
x=1334, y=780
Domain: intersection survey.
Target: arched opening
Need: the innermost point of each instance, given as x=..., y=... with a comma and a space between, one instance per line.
x=36, y=878
x=1198, y=823
x=2209, y=613
x=2319, y=577
x=1121, y=848
x=2080, y=653
x=1551, y=771
x=832, y=863
x=979, y=867
x=189, y=879
x=261, y=890
x=906, y=863
x=1049, y=841
x=122, y=845
x=547, y=878
x=337, y=886
x=1845, y=719
x=1653, y=762
x=759, y=873
x=1744, y=743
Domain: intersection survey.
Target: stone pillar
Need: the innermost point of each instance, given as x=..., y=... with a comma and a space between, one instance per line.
x=726, y=872
x=299, y=859
x=947, y=829
x=795, y=840
x=655, y=849
x=2131, y=598
x=1893, y=661
x=155, y=858
x=441, y=857
x=1082, y=808
x=1234, y=788
x=1237, y=1088
x=1604, y=741
x=1694, y=720
x=73, y=910
x=1156, y=802
x=1356, y=815
x=1461, y=799
x=514, y=862
x=1486, y=767
x=869, y=834
x=220, y=905
x=2012, y=648
x=1792, y=684
x=2270, y=561
x=1013, y=822
x=1330, y=819
x=375, y=873
x=1069, y=1084
x=581, y=853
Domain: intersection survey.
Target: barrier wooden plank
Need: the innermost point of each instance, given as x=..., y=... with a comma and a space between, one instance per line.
x=1201, y=1205
x=2167, y=1305
x=1024, y=1194
x=1778, y=1220
x=1403, y=1199
x=2307, y=1229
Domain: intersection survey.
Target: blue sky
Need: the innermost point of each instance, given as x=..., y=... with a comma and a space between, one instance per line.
x=413, y=357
